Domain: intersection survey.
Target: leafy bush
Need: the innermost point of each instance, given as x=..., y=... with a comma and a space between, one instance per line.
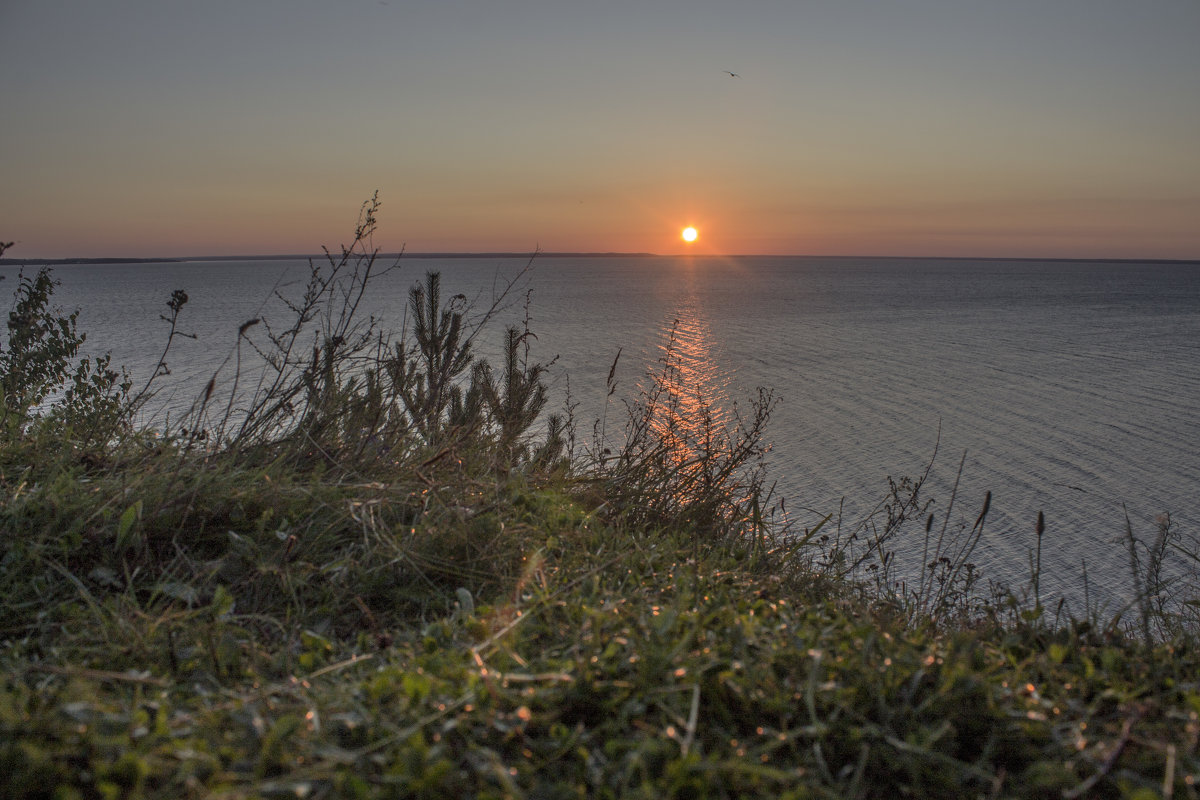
x=46, y=385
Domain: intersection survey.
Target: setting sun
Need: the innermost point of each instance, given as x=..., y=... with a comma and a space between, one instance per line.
x=689, y=234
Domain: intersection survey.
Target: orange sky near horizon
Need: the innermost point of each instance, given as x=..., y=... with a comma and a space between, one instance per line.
x=919, y=128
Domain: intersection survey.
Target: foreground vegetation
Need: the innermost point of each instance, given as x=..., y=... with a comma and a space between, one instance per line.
x=379, y=572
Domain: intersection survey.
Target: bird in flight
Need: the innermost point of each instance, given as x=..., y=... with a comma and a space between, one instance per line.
x=731, y=74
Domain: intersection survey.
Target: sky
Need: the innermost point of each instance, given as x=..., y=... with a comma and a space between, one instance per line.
x=1009, y=128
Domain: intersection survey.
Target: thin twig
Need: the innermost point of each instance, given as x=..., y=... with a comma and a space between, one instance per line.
x=97, y=674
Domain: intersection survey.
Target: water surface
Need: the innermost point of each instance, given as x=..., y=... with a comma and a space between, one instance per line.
x=1073, y=388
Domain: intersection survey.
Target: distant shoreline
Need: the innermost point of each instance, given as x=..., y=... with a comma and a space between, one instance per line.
x=17, y=262
x=20, y=262
x=8, y=262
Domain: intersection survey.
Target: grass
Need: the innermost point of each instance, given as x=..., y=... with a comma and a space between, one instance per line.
x=381, y=574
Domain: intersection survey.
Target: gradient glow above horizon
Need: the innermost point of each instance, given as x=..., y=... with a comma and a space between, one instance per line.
x=1007, y=129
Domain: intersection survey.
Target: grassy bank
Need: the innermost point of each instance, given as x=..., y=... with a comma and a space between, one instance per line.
x=384, y=571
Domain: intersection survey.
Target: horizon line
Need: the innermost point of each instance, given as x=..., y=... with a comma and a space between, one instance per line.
x=83, y=260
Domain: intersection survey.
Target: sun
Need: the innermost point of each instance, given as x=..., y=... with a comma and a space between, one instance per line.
x=689, y=234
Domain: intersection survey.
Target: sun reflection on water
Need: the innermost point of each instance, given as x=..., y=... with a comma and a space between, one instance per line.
x=693, y=414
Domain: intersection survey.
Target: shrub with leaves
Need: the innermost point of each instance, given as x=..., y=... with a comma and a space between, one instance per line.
x=44, y=380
